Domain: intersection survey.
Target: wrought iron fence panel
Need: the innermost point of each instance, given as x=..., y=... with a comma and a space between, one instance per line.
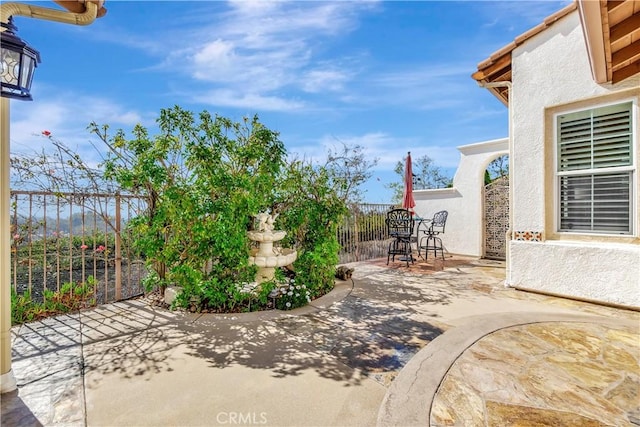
x=62, y=238
x=59, y=238
x=363, y=234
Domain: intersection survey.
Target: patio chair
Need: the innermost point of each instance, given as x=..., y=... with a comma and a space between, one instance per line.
x=432, y=232
x=400, y=228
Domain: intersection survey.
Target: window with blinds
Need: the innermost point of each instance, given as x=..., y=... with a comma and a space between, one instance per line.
x=595, y=170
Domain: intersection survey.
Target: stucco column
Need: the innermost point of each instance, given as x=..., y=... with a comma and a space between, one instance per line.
x=7, y=380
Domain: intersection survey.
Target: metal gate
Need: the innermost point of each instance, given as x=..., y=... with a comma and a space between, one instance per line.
x=496, y=218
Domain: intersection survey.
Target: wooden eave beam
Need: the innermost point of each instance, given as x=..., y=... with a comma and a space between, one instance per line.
x=497, y=67
x=628, y=53
x=625, y=28
x=625, y=72
x=613, y=4
x=505, y=76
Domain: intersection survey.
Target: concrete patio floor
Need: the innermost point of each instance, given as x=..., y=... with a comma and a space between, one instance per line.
x=394, y=346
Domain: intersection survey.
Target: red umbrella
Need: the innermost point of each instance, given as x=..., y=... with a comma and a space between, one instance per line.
x=407, y=197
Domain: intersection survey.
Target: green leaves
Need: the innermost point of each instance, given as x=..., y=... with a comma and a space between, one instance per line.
x=204, y=178
x=70, y=297
x=426, y=175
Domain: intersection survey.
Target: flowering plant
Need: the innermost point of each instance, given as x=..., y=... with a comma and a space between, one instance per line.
x=291, y=295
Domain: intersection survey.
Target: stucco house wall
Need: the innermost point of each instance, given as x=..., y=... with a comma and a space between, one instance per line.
x=551, y=75
x=464, y=201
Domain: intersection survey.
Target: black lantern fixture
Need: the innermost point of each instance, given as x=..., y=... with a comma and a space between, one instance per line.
x=18, y=61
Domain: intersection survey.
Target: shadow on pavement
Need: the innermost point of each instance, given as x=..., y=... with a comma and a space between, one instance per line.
x=16, y=413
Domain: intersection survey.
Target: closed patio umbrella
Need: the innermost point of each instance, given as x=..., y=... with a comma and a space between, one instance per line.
x=407, y=197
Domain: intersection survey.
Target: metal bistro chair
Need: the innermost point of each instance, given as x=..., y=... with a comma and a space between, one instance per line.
x=400, y=228
x=435, y=227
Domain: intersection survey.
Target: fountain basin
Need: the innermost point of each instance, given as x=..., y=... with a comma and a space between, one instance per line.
x=285, y=257
x=266, y=236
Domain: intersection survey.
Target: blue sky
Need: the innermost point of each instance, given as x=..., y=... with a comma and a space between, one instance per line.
x=390, y=76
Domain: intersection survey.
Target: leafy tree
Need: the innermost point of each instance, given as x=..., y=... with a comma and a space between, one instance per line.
x=204, y=178
x=425, y=175
x=498, y=168
x=349, y=169
x=314, y=200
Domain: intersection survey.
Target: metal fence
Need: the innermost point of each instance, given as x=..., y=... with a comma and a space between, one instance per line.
x=62, y=238
x=363, y=235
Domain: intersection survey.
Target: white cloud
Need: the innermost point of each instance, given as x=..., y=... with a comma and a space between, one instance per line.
x=419, y=87
x=423, y=75
x=66, y=115
x=319, y=80
x=243, y=99
x=266, y=49
x=217, y=51
x=288, y=20
x=388, y=149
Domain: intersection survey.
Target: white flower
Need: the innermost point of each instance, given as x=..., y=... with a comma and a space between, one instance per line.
x=288, y=304
x=297, y=286
x=289, y=293
x=297, y=295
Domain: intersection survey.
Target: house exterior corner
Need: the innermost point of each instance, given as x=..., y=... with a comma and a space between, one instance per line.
x=574, y=172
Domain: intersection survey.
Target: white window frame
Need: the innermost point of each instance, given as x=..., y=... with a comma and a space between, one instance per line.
x=632, y=169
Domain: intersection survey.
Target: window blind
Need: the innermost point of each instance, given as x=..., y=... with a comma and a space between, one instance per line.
x=591, y=199
x=594, y=139
x=595, y=203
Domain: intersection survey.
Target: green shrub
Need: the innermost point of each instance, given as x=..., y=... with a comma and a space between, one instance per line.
x=204, y=179
x=70, y=297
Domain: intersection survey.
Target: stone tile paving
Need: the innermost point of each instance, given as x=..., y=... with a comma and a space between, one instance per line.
x=50, y=366
x=53, y=387
x=551, y=374
x=47, y=364
x=555, y=374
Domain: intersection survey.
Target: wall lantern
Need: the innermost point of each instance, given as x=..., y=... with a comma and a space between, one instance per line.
x=18, y=61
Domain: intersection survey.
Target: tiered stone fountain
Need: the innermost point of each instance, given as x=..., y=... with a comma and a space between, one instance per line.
x=266, y=257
